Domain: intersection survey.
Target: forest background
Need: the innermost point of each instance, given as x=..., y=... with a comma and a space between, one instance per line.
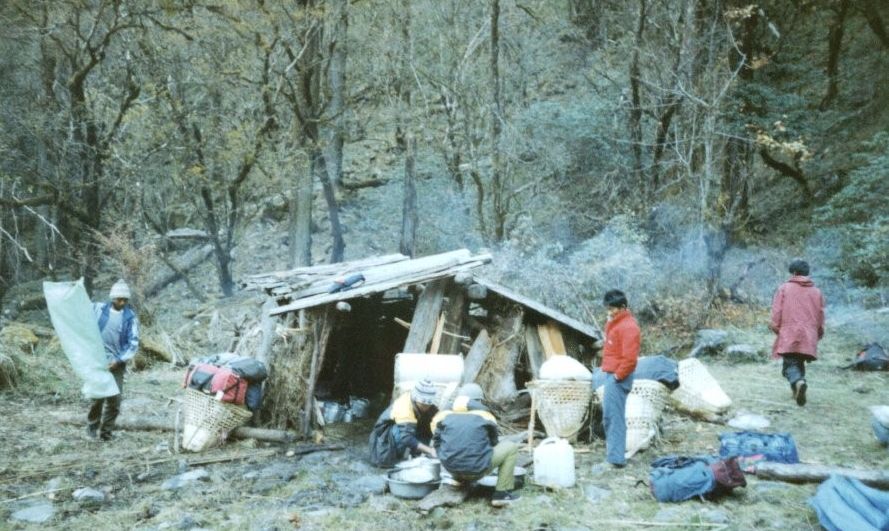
x=681, y=150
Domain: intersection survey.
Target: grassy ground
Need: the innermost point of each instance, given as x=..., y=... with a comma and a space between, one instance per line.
x=39, y=454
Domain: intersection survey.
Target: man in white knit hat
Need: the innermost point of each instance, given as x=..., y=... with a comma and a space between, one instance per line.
x=119, y=328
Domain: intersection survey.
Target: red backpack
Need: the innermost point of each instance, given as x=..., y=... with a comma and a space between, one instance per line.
x=222, y=382
x=228, y=386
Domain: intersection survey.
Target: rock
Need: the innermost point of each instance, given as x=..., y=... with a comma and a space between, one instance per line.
x=595, y=494
x=715, y=516
x=187, y=522
x=744, y=352
x=709, y=342
x=749, y=421
x=368, y=485
x=352, y=499
x=88, y=495
x=53, y=485
x=476, y=292
x=280, y=470
x=183, y=480
x=35, y=514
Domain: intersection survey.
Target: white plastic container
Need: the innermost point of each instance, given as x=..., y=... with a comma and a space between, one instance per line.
x=554, y=463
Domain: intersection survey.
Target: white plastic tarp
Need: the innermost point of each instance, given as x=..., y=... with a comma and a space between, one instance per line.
x=72, y=316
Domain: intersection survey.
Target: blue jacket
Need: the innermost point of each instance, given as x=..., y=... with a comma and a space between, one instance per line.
x=128, y=343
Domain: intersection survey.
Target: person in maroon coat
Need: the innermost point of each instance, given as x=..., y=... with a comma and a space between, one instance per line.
x=798, y=321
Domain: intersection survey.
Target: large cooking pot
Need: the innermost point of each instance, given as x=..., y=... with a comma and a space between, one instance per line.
x=401, y=488
x=429, y=466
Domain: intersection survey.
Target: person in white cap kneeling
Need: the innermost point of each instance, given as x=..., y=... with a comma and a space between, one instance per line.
x=405, y=426
x=119, y=328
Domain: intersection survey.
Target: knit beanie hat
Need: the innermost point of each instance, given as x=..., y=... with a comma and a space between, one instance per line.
x=119, y=290
x=472, y=390
x=424, y=392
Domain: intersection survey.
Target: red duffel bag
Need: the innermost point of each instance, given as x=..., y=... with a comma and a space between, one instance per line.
x=228, y=386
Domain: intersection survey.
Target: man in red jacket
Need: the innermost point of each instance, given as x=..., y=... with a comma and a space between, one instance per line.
x=798, y=319
x=619, y=355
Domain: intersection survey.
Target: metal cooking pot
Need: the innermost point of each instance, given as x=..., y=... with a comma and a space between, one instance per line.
x=406, y=489
x=333, y=412
x=429, y=465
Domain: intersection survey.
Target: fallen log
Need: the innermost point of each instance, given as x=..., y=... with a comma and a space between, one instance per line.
x=191, y=260
x=161, y=424
x=805, y=473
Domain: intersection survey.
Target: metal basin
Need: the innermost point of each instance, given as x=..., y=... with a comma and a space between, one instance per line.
x=430, y=466
x=490, y=481
x=406, y=489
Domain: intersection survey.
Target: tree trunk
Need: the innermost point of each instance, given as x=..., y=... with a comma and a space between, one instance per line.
x=497, y=185
x=337, y=80
x=409, y=215
x=333, y=210
x=301, y=218
x=635, y=123
x=872, y=15
x=835, y=45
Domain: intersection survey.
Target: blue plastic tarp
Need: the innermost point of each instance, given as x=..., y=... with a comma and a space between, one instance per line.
x=843, y=503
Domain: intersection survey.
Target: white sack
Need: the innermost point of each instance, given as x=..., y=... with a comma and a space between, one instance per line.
x=564, y=368
x=72, y=316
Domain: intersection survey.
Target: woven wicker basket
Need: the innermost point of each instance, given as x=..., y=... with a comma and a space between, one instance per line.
x=206, y=421
x=645, y=404
x=562, y=405
x=698, y=391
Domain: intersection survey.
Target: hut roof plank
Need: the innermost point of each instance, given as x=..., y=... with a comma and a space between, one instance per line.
x=570, y=322
x=385, y=277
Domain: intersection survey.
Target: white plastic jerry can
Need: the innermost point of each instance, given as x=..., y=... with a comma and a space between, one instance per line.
x=554, y=463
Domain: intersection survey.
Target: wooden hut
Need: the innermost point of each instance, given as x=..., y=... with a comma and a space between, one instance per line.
x=334, y=330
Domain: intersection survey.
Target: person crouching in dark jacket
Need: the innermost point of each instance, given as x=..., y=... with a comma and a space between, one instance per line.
x=465, y=438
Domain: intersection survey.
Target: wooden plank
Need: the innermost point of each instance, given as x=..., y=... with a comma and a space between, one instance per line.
x=534, y=350
x=551, y=340
x=436, y=336
x=378, y=287
x=326, y=269
x=804, y=473
x=574, y=324
x=478, y=352
x=453, y=325
x=425, y=318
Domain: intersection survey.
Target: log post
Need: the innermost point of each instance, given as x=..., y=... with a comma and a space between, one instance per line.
x=425, y=317
x=478, y=352
x=456, y=308
x=497, y=376
x=534, y=350
x=322, y=328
